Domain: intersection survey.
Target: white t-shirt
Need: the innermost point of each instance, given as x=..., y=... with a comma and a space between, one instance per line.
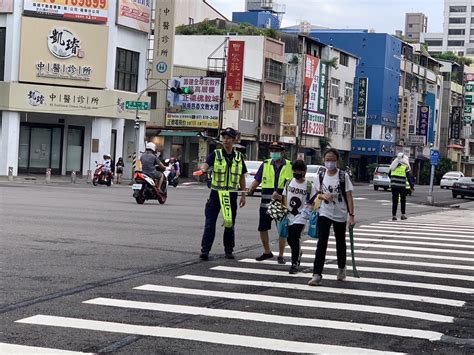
x=336, y=209
x=296, y=196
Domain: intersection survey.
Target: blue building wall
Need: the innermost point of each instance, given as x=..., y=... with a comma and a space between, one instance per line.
x=257, y=19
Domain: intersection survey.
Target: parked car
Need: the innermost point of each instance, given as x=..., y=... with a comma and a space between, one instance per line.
x=252, y=168
x=463, y=187
x=450, y=178
x=313, y=171
x=381, y=178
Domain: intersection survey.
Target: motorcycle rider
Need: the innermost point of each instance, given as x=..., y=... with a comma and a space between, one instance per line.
x=149, y=161
x=175, y=168
x=107, y=164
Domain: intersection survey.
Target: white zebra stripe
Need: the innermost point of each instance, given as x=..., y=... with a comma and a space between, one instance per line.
x=300, y=302
x=269, y=318
x=196, y=335
x=341, y=291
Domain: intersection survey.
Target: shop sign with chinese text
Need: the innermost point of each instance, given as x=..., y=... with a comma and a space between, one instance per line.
x=135, y=14
x=361, y=105
x=95, y=11
x=314, y=96
x=456, y=123
x=313, y=124
x=163, y=45
x=235, y=75
x=423, y=122
x=63, y=53
x=199, y=110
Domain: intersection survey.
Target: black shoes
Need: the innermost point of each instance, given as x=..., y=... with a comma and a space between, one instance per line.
x=204, y=256
x=264, y=256
x=229, y=256
x=294, y=269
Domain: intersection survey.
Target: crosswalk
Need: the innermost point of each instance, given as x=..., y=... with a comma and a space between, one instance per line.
x=417, y=278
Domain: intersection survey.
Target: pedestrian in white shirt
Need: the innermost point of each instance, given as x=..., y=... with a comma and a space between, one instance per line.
x=335, y=190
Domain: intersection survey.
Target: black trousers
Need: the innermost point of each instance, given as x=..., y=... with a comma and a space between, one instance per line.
x=399, y=192
x=324, y=228
x=294, y=235
x=213, y=207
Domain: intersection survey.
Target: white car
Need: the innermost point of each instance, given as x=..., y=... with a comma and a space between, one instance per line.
x=252, y=168
x=450, y=178
x=312, y=172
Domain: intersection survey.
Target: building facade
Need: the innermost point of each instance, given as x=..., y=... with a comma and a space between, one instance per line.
x=64, y=90
x=415, y=25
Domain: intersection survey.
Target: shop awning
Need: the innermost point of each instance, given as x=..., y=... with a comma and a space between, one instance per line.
x=455, y=146
x=178, y=134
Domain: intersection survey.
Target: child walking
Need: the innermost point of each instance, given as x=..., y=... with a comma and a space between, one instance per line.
x=296, y=195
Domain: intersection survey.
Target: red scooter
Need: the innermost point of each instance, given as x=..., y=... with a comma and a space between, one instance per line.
x=145, y=188
x=102, y=177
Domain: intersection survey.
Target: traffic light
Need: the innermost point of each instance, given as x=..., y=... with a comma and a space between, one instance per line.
x=186, y=90
x=137, y=123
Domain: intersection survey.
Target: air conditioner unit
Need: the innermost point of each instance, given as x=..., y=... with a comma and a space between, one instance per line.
x=347, y=99
x=339, y=99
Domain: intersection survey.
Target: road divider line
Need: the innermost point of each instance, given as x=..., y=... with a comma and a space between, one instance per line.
x=340, y=291
x=400, y=247
x=426, y=286
x=268, y=318
x=196, y=335
x=287, y=301
x=410, y=272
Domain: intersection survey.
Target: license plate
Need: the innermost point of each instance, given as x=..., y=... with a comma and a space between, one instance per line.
x=136, y=186
x=463, y=186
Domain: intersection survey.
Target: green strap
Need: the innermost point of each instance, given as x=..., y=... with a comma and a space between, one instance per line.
x=351, y=237
x=224, y=198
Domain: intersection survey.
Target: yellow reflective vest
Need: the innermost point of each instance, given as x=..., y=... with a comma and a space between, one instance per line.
x=224, y=179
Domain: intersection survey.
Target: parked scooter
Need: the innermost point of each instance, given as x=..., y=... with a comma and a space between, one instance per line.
x=102, y=176
x=146, y=188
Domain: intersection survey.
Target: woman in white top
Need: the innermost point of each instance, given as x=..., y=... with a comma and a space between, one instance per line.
x=337, y=202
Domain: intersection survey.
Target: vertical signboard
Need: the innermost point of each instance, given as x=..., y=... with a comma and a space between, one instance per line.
x=235, y=75
x=456, y=122
x=314, y=97
x=361, y=121
x=134, y=14
x=431, y=102
x=404, y=116
x=163, y=47
x=423, y=121
x=412, y=111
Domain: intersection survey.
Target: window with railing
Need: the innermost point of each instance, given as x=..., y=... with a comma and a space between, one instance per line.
x=274, y=70
x=344, y=59
x=332, y=124
x=349, y=91
x=456, y=31
x=347, y=126
x=272, y=113
x=455, y=43
x=335, y=87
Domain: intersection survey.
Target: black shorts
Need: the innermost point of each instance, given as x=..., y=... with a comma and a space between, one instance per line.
x=265, y=221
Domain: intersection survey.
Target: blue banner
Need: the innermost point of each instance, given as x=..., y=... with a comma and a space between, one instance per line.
x=431, y=102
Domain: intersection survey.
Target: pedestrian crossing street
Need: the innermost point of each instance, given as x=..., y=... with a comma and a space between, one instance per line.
x=417, y=281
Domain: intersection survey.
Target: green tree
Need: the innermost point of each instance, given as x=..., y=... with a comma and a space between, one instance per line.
x=454, y=58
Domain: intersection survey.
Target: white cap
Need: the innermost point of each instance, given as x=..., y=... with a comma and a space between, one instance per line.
x=400, y=155
x=151, y=146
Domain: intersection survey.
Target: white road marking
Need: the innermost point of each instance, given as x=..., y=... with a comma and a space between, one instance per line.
x=397, y=228
x=196, y=335
x=422, y=233
x=269, y=318
x=341, y=291
x=409, y=222
x=403, y=247
x=386, y=236
x=287, y=301
x=408, y=262
x=34, y=350
x=382, y=201
x=383, y=252
x=411, y=242
x=410, y=272
x=437, y=287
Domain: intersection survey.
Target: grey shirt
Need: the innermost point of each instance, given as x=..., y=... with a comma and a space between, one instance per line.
x=149, y=160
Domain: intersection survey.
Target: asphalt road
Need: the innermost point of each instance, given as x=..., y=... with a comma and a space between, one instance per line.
x=73, y=256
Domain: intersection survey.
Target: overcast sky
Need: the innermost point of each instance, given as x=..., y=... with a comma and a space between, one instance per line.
x=381, y=15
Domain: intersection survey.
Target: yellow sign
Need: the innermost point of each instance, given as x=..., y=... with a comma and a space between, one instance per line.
x=135, y=14
x=95, y=11
x=288, y=130
x=68, y=101
x=289, y=110
x=183, y=120
x=63, y=53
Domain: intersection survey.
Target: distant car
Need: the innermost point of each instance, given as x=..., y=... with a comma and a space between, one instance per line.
x=463, y=187
x=313, y=171
x=252, y=168
x=381, y=178
x=450, y=178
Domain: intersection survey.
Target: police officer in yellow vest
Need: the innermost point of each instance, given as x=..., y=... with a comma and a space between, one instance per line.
x=228, y=175
x=272, y=175
x=399, y=180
